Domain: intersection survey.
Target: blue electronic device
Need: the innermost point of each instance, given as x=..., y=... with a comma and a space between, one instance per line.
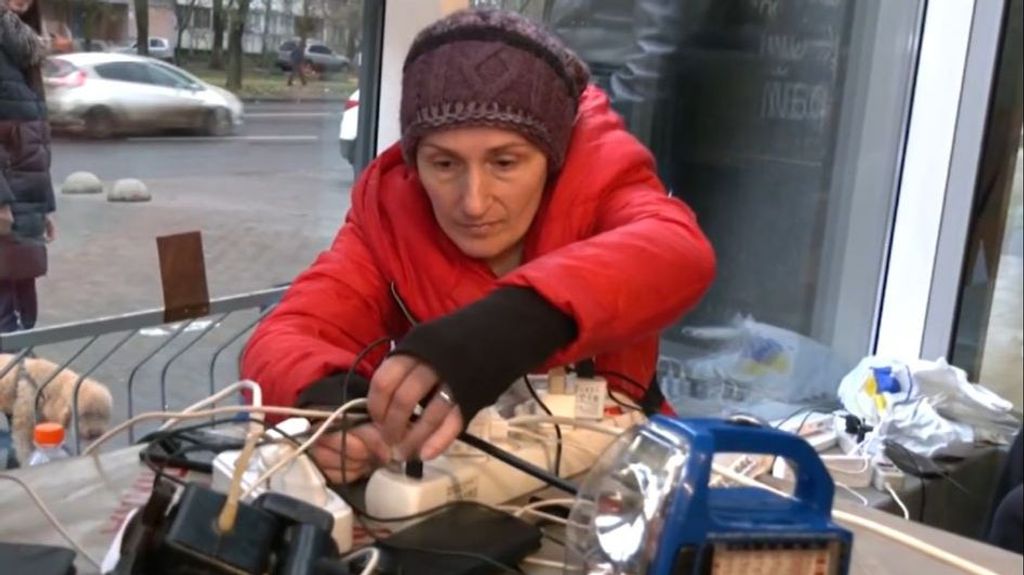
x=647, y=507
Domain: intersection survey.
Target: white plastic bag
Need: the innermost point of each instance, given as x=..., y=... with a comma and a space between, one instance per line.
x=746, y=366
x=927, y=406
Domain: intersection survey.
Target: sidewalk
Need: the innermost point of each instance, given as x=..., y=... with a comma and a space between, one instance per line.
x=262, y=85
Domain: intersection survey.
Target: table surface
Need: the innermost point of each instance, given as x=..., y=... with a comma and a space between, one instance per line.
x=90, y=496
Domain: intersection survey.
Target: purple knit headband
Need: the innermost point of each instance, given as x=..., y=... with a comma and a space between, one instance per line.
x=488, y=67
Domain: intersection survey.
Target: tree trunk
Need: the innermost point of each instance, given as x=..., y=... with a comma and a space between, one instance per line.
x=184, y=21
x=217, y=49
x=235, y=36
x=268, y=58
x=142, y=27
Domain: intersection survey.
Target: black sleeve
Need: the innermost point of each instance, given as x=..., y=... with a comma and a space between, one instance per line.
x=330, y=390
x=481, y=349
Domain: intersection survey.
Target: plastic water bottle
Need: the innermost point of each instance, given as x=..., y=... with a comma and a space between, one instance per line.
x=49, y=440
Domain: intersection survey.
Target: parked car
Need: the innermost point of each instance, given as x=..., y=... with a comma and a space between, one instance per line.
x=104, y=95
x=349, y=128
x=319, y=56
x=93, y=45
x=159, y=48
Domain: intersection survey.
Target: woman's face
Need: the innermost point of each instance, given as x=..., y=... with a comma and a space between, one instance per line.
x=485, y=185
x=19, y=7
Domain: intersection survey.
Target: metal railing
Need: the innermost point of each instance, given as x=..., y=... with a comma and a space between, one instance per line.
x=23, y=344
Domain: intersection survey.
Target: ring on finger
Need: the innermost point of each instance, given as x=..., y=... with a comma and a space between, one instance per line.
x=445, y=393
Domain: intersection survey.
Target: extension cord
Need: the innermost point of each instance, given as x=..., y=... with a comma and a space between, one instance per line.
x=482, y=478
x=886, y=472
x=301, y=479
x=851, y=470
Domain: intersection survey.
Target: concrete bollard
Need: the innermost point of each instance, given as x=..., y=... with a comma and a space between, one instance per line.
x=129, y=190
x=82, y=183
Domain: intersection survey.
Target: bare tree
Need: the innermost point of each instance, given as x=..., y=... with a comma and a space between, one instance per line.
x=142, y=27
x=183, y=13
x=217, y=47
x=236, y=34
x=265, y=34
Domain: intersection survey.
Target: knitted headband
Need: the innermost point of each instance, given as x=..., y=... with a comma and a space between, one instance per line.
x=487, y=67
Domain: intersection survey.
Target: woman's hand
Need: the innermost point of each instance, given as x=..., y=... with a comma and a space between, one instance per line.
x=51, y=229
x=364, y=451
x=6, y=220
x=397, y=387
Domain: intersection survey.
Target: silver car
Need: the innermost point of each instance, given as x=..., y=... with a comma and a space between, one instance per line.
x=104, y=95
x=159, y=48
x=318, y=55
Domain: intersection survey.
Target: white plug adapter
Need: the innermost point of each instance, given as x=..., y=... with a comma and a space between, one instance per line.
x=886, y=472
x=301, y=479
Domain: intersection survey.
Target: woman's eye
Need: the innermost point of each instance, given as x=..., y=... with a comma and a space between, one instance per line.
x=505, y=163
x=443, y=164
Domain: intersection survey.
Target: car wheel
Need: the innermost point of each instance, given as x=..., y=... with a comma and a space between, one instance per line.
x=217, y=123
x=100, y=123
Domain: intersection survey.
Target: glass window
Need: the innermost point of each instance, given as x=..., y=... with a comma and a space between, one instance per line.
x=55, y=68
x=258, y=168
x=988, y=339
x=201, y=17
x=780, y=124
x=319, y=49
x=178, y=74
x=124, y=72
x=162, y=77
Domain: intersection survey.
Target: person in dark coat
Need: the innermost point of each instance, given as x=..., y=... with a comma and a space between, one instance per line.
x=26, y=192
x=297, y=59
x=1005, y=526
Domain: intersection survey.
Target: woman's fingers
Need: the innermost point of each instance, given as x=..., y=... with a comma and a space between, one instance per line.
x=364, y=449
x=427, y=424
x=444, y=436
x=373, y=443
x=385, y=382
x=414, y=387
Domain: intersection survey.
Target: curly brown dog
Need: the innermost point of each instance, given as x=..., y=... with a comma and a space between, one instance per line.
x=18, y=398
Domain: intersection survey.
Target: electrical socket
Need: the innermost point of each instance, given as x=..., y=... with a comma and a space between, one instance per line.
x=886, y=472
x=301, y=479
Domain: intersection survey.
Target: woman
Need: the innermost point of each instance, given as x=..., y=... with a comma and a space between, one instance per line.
x=26, y=194
x=516, y=226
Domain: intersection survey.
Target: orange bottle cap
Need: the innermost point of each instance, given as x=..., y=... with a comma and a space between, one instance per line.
x=49, y=434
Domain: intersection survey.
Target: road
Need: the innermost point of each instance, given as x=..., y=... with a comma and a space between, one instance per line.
x=267, y=201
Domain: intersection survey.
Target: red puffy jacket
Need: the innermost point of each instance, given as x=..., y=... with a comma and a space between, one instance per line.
x=608, y=247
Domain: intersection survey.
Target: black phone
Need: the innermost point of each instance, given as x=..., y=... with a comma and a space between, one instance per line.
x=466, y=538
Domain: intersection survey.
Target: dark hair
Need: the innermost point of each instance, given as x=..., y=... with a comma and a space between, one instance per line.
x=33, y=17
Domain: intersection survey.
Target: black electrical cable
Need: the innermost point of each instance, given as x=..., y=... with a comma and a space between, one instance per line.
x=622, y=404
x=157, y=436
x=519, y=463
x=344, y=397
x=361, y=513
x=558, y=428
x=642, y=389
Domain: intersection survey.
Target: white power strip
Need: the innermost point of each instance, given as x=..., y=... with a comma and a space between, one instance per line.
x=479, y=477
x=301, y=480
